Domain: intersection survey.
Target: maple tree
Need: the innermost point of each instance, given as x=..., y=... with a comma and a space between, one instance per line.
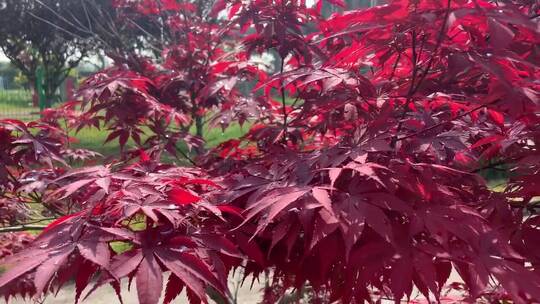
x=173, y=84
x=364, y=157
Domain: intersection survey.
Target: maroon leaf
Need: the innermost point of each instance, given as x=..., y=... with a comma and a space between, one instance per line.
x=192, y=271
x=173, y=289
x=48, y=269
x=84, y=274
x=21, y=267
x=182, y=196
x=149, y=280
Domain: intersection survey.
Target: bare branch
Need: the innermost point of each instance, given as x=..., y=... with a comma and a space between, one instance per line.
x=19, y=228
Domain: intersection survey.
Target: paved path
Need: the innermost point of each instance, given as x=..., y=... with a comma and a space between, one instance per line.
x=106, y=295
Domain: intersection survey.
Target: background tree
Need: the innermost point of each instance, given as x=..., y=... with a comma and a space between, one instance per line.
x=9, y=73
x=42, y=34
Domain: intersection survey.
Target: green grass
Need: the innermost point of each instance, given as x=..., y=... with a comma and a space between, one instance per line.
x=94, y=139
x=17, y=104
x=215, y=136
x=16, y=97
x=497, y=185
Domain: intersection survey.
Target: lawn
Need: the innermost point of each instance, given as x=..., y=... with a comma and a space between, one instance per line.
x=94, y=139
x=17, y=104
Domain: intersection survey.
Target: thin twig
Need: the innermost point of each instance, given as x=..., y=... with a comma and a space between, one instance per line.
x=19, y=228
x=394, y=67
x=54, y=25
x=414, y=88
x=437, y=46
x=283, y=104
x=58, y=15
x=187, y=157
x=446, y=121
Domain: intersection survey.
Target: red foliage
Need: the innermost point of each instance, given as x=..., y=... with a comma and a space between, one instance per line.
x=196, y=74
x=371, y=173
x=11, y=243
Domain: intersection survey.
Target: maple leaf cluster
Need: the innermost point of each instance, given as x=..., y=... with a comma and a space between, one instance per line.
x=361, y=175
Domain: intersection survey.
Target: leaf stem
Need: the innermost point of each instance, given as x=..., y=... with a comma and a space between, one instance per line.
x=283, y=103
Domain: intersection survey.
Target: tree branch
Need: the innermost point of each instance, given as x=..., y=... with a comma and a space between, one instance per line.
x=283, y=103
x=413, y=88
x=20, y=228
x=446, y=121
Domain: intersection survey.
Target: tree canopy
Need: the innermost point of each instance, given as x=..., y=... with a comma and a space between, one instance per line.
x=359, y=178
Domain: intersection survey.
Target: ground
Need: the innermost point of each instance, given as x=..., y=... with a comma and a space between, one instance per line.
x=106, y=295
